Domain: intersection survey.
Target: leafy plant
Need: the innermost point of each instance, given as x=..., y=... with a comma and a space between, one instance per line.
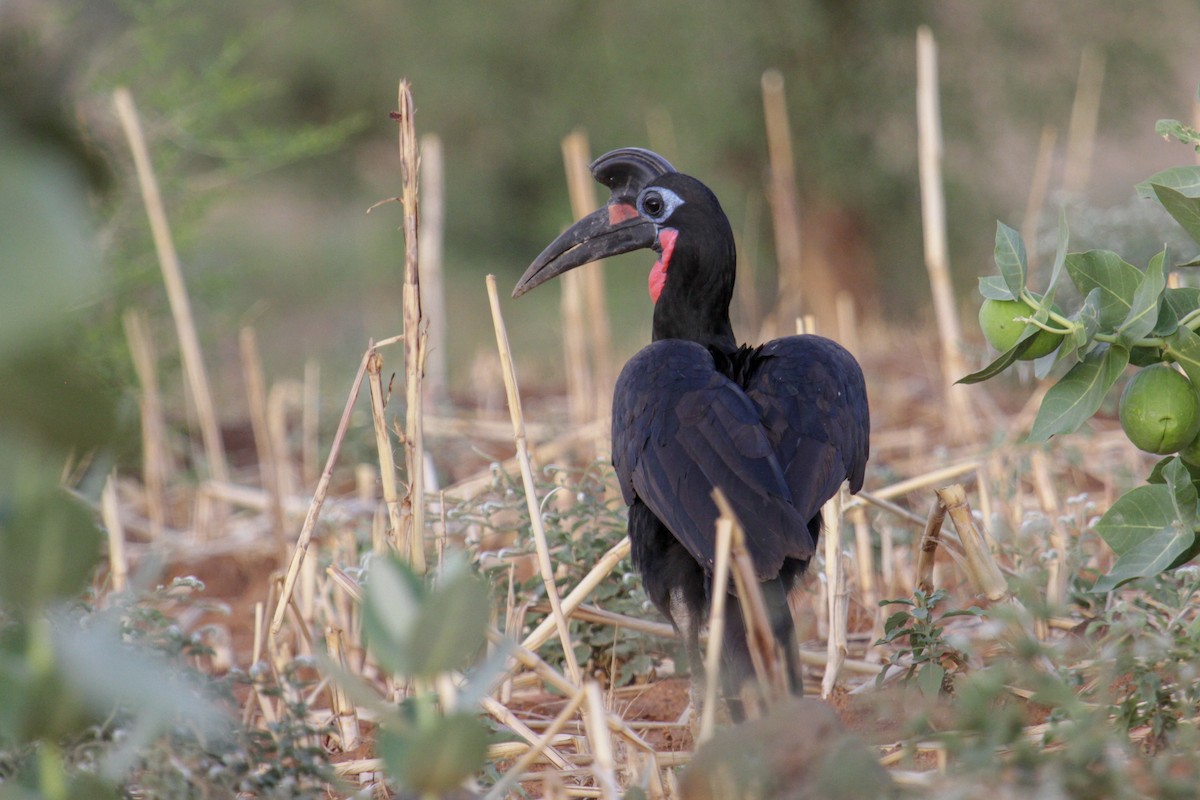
x=1127, y=316
x=926, y=656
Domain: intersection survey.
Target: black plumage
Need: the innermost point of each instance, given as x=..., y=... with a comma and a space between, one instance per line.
x=777, y=427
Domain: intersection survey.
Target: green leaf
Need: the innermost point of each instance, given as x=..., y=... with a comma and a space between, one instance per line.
x=451, y=625
x=929, y=679
x=1182, y=300
x=1002, y=362
x=993, y=287
x=50, y=546
x=1010, y=258
x=436, y=756
x=1184, y=346
x=1155, y=552
x=1143, y=311
x=1088, y=316
x=895, y=621
x=1185, y=180
x=1116, y=279
x=1151, y=528
x=1185, y=209
x=1078, y=394
x=1060, y=258
x=392, y=598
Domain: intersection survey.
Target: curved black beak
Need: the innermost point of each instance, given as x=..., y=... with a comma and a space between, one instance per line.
x=592, y=238
x=616, y=228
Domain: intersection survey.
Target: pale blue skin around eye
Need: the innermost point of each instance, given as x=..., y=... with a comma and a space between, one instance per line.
x=670, y=200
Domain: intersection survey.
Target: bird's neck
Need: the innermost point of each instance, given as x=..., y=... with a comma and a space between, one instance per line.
x=694, y=303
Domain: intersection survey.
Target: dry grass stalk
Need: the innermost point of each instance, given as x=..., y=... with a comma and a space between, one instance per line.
x=414, y=333
x=535, y=516
x=603, y=767
x=917, y=482
x=581, y=389
x=110, y=512
x=1037, y=190
x=536, y=748
x=555, y=680
x=589, y=613
x=765, y=652
x=576, y=157
x=387, y=466
x=984, y=574
x=928, y=545
x=716, y=628
x=847, y=322
x=605, y=565
x=429, y=255
x=784, y=200
x=835, y=579
x=469, y=488
x=505, y=716
x=177, y=296
x=156, y=463
x=284, y=395
x=1081, y=131
x=340, y=704
x=1056, y=585
x=933, y=218
x=864, y=554
x=256, y=396
x=310, y=422
x=314, y=509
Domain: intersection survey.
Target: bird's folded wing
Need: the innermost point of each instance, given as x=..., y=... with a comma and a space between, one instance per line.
x=813, y=401
x=681, y=428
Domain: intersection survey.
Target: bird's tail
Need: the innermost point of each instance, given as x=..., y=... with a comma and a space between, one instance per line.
x=737, y=666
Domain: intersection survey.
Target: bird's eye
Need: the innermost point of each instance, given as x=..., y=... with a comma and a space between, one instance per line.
x=653, y=204
x=658, y=203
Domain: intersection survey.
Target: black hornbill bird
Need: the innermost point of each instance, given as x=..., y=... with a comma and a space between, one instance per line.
x=777, y=427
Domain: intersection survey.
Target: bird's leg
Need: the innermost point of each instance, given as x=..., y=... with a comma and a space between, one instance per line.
x=688, y=625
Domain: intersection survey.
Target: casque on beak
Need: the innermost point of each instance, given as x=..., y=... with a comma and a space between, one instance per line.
x=617, y=228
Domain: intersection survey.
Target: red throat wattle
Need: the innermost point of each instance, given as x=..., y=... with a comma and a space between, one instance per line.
x=658, y=273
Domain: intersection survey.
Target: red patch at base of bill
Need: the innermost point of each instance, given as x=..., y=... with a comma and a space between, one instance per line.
x=619, y=212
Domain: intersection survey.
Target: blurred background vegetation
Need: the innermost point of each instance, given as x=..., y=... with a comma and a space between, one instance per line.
x=268, y=125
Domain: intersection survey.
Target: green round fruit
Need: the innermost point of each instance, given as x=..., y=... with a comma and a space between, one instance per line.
x=998, y=319
x=1160, y=410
